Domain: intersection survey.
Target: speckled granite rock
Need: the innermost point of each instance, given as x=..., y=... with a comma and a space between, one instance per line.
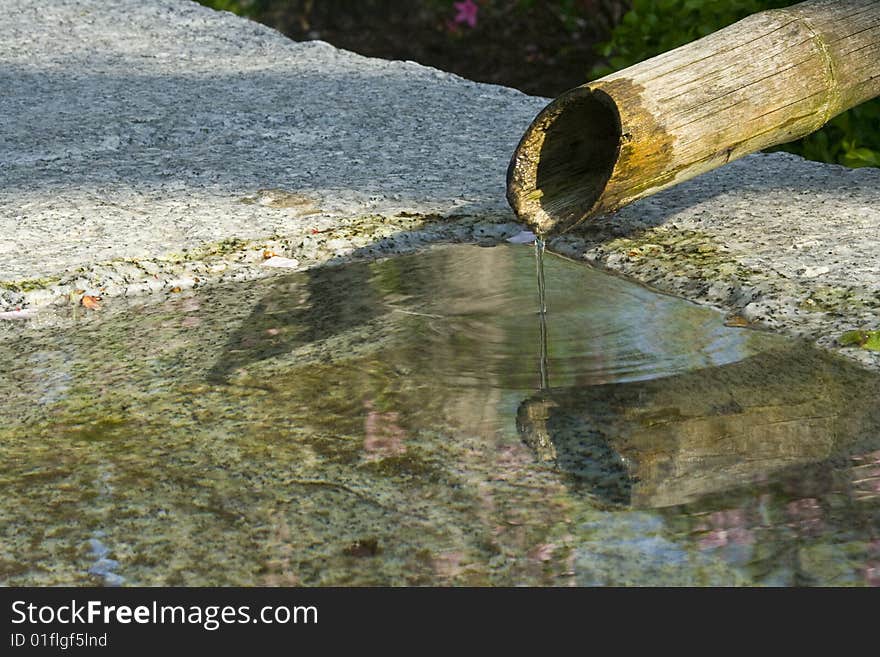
x=166, y=134
x=150, y=146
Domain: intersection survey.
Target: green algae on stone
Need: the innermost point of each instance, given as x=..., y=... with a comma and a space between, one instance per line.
x=30, y=284
x=367, y=236
x=674, y=251
x=865, y=339
x=220, y=248
x=835, y=299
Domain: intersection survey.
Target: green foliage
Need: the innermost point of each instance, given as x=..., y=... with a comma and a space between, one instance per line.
x=853, y=138
x=651, y=27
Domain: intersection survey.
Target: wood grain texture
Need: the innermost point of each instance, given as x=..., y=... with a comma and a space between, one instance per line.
x=768, y=79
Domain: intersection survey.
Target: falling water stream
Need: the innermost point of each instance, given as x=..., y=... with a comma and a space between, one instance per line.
x=385, y=423
x=542, y=310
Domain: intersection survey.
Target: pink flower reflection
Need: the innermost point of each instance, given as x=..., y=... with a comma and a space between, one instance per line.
x=280, y=568
x=447, y=565
x=872, y=566
x=729, y=527
x=872, y=573
x=543, y=552
x=383, y=436
x=805, y=514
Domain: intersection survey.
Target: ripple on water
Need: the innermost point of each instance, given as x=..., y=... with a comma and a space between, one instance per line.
x=484, y=310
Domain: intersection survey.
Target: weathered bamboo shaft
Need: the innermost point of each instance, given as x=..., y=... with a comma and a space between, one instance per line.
x=771, y=78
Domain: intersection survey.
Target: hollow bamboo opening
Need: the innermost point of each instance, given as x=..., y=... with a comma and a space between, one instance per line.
x=566, y=158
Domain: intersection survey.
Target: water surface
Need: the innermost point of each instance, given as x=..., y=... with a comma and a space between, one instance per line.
x=386, y=423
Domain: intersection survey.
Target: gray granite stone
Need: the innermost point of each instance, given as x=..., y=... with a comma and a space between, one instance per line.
x=151, y=145
x=144, y=131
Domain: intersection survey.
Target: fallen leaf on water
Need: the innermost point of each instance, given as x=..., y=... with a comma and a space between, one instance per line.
x=737, y=321
x=91, y=302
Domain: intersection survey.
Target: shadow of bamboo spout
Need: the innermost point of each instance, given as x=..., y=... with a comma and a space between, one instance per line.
x=771, y=78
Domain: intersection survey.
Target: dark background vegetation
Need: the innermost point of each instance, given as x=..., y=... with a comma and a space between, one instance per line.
x=542, y=47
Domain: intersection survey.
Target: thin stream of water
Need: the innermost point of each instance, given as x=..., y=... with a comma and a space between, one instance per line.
x=540, y=245
x=542, y=310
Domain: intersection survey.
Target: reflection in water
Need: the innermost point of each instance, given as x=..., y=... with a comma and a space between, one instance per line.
x=104, y=567
x=332, y=301
x=469, y=312
x=387, y=423
x=677, y=439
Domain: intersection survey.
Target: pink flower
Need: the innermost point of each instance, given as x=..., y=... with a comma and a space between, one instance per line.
x=467, y=12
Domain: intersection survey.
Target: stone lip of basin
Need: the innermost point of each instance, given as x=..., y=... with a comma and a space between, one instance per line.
x=156, y=145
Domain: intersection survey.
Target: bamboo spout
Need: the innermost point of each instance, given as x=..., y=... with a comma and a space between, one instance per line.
x=771, y=78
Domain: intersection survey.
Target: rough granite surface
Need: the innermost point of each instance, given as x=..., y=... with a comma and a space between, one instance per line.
x=148, y=146
x=157, y=131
